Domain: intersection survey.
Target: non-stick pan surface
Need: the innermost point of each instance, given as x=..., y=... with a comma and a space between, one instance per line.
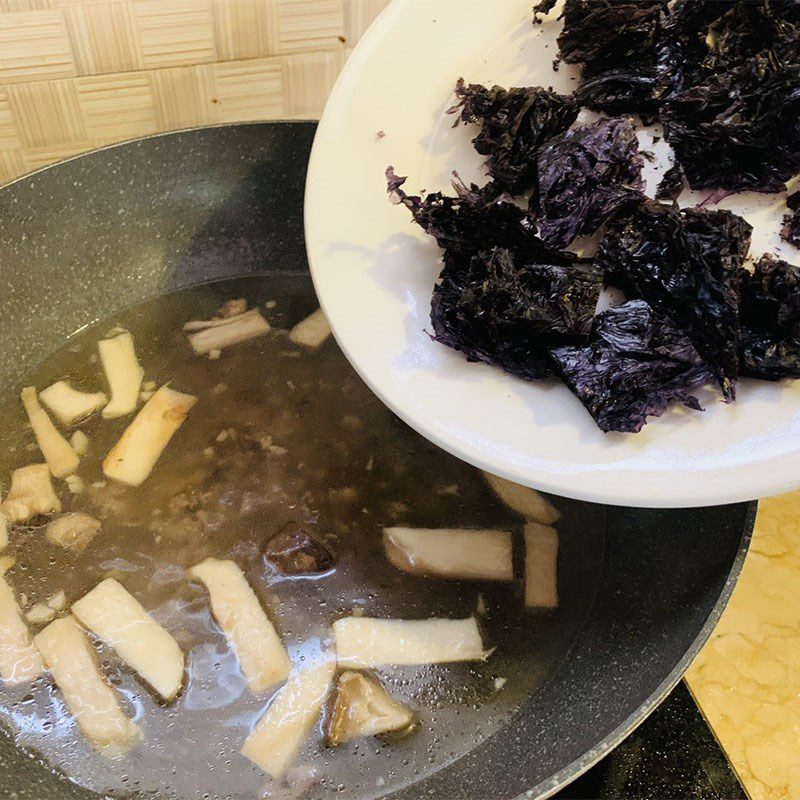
x=92, y=236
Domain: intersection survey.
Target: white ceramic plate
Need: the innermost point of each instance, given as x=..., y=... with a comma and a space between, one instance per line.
x=374, y=271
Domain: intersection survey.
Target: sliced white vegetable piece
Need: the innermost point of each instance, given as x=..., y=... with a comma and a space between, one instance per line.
x=133, y=457
x=541, y=566
x=80, y=442
x=58, y=600
x=73, y=530
x=40, y=613
x=232, y=308
x=365, y=642
x=218, y=322
x=20, y=661
x=75, y=484
x=70, y=406
x=72, y=661
x=31, y=493
x=523, y=500
x=57, y=451
x=451, y=553
x=117, y=618
x=3, y=531
x=287, y=721
x=364, y=708
x=123, y=373
x=219, y=334
x=312, y=331
x=262, y=656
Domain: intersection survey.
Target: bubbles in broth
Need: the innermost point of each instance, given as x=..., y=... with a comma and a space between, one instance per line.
x=281, y=435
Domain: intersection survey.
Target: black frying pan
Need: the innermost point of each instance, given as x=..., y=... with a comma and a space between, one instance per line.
x=89, y=237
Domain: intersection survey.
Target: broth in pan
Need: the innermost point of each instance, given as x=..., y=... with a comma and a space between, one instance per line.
x=217, y=588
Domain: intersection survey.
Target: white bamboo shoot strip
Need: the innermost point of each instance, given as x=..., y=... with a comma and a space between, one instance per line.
x=123, y=373
x=226, y=332
x=117, y=618
x=70, y=406
x=216, y=322
x=31, y=494
x=541, y=566
x=366, y=643
x=278, y=735
x=312, y=331
x=40, y=613
x=80, y=442
x=451, y=553
x=3, y=531
x=523, y=500
x=133, y=457
x=20, y=661
x=57, y=451
x=262, y=656
x=73, y=531
x=72, y=661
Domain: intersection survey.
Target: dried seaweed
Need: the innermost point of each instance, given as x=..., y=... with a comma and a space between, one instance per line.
x=472, y=220
x=770, y=320
x=543, y=8
x=738, y=129
x=671, y=184
x=586, y=175
x=617, y=43
x=686, y=265
x=637, y=365
x=722, y=75
x=505, y=308
x=515, y=123
x=603, y=34
x=790, y=231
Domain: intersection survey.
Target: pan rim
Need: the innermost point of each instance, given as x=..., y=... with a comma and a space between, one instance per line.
x=580, y=765
x=147, y=137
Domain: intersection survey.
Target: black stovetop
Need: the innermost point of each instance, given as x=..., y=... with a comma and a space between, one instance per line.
x=672, y=756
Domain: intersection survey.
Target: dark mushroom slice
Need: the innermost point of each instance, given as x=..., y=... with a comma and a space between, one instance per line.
x=294, y=550
x=362, y=707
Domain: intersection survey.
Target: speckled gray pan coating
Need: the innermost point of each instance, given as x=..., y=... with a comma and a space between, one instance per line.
x=87, y=238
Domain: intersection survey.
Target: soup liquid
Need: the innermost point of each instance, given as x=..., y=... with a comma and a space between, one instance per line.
x=279, y=435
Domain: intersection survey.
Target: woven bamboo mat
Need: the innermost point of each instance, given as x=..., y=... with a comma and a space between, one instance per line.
x=77, y=74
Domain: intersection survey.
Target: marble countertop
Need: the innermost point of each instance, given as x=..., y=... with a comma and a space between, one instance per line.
x=747, y=678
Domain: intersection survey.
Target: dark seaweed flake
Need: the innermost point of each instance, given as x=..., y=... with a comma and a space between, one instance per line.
x=712, y=37
x=542, y=9
x=722, y=75
x=790, y=232
x=770, y=320
x=505, y=308
x=586, y=175
x=601, y=34
x=671, y=184
x=472, y=220
x=738, y=129
x=617, y=43
x=515, y=123
x=637, y=365
x=686, y=265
